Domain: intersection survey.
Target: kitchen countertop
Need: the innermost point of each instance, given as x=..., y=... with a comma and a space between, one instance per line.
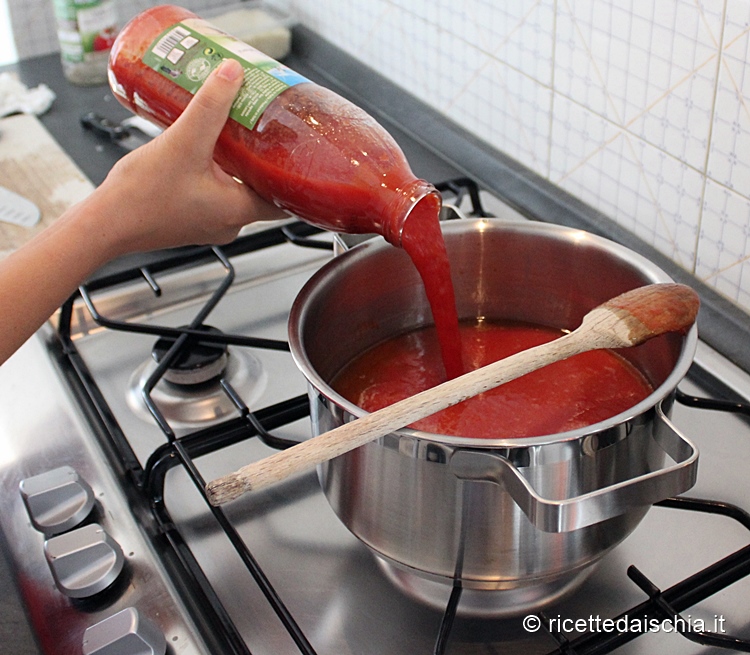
x=92, y=154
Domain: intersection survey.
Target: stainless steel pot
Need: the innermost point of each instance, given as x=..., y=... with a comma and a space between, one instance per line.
x=524, y=516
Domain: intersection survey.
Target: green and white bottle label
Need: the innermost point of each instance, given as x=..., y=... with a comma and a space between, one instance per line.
x=187, y=52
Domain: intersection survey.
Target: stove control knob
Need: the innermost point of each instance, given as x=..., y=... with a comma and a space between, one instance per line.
x=124, y=633
x=57, y=500
x=84, y=561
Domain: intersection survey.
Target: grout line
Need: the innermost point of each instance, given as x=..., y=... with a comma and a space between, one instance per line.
x=709, y=136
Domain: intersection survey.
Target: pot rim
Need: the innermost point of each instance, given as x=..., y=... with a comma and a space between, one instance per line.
x=376, y=244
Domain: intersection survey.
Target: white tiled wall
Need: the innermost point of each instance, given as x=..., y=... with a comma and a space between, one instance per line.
x=639, y=107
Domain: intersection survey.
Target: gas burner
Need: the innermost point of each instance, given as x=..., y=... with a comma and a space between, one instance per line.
x=199, y=404
x=196, y=363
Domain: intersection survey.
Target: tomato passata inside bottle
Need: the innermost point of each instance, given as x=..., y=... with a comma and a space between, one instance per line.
x=300, y=145
x=297, y=144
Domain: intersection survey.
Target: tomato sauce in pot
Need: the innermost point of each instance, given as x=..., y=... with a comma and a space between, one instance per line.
x=574, y=393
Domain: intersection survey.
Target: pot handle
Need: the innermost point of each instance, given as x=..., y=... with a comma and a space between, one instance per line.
x=587, y=509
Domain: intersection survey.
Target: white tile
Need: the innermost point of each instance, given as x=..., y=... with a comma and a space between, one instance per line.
x=712, y=16
x=679, y=121
x=729, y=161
x=723, y=260
x=407, y=49
x=737, y=20
x=577, y=73
x=519, y=34
x=349, y=25
x=577, y=136
x=663, y=200
x=640, y=187
x=649, y=66
x=515, y=117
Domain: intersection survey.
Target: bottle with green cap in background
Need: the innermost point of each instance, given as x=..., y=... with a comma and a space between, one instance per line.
x=86, y=30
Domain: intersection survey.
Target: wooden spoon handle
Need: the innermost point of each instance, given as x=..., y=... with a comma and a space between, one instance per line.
x=310, y=453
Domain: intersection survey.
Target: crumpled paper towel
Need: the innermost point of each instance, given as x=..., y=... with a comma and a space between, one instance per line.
x=16, y=97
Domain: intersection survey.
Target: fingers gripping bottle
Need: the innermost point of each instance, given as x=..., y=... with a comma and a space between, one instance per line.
x=297, y=144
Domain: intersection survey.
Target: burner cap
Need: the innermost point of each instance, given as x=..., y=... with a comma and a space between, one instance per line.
x=196, y=363
x=198, y=405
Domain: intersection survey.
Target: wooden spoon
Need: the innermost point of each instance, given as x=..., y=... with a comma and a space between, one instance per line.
x=627, y=320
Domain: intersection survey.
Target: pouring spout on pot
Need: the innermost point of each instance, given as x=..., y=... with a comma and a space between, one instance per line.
x=627, y=320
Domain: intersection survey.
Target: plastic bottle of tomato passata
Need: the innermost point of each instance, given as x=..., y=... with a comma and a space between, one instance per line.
x=297, y=144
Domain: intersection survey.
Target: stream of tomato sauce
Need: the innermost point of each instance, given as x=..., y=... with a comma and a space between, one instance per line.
x=422, y=240
x=566, y=395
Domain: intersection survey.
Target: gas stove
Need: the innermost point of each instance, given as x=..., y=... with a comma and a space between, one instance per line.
x=109, y=433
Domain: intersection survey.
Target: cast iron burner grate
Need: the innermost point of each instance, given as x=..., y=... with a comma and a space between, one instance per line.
x=666, y=605
x=148, y=481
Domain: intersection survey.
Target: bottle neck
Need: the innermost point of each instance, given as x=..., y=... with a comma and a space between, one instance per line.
x=414, y=194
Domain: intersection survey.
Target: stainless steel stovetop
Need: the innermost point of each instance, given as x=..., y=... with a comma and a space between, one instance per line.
x=299, y=581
